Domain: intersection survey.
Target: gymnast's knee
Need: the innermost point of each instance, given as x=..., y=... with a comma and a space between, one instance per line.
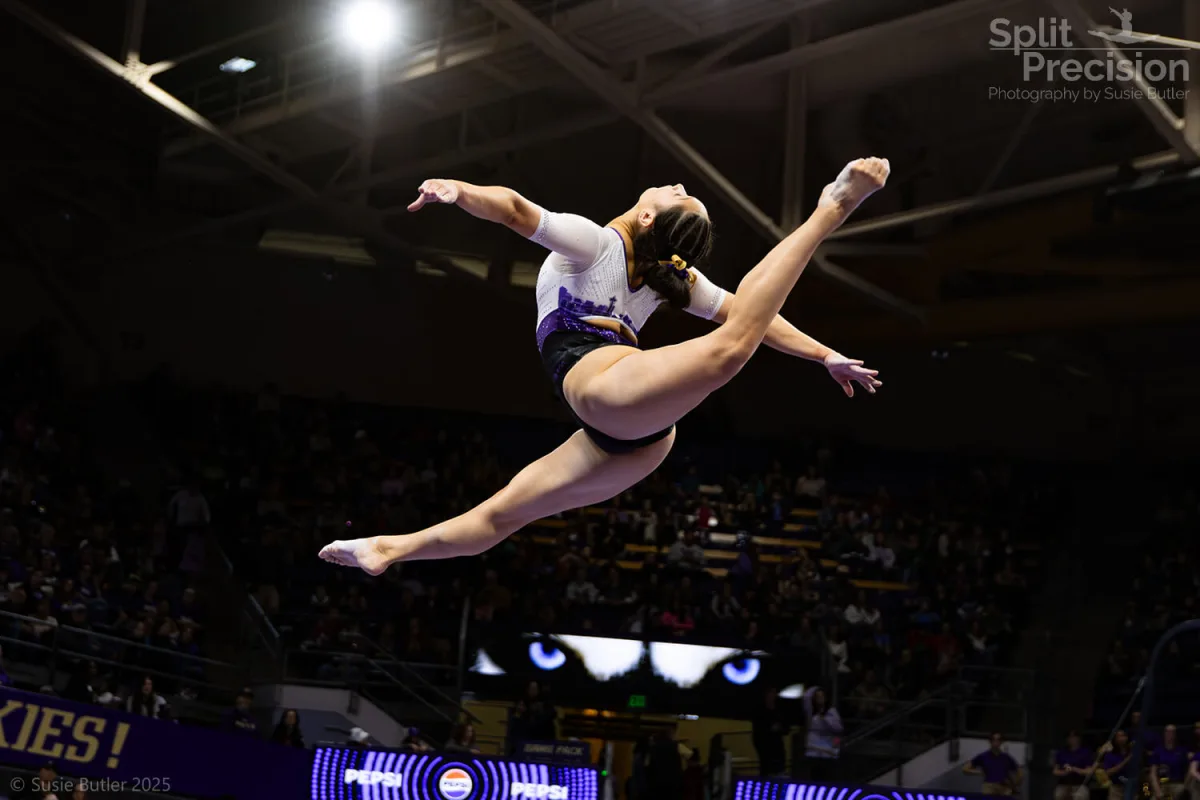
x=729, y=354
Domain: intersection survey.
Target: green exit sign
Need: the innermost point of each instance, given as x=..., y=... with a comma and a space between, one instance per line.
x=637, y=701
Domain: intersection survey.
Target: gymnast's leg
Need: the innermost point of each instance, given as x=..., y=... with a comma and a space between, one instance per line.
x=629, y=394
x=576, y=474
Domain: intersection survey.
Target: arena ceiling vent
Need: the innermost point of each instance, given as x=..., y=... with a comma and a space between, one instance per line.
x=1005, y=216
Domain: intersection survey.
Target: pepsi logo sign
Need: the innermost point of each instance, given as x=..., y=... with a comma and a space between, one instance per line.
x=364, y=777
x=455, y=784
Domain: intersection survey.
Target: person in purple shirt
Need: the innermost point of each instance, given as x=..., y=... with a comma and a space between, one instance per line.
x=1170, y=761
x=1072, y=766
x=1150, y=738
x=1115, y=763
x=1001, y=773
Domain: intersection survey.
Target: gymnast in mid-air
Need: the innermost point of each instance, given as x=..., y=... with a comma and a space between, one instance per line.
x=595, y=291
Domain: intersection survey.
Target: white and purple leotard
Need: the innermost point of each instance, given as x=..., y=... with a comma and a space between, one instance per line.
x=585, y=279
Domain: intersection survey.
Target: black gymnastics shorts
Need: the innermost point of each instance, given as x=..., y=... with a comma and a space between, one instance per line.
x=562, y=350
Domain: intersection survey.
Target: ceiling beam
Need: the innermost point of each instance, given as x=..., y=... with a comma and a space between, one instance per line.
x=435, y=57
x=135, y=25
x=1084, y=179
x=1161, y=116
x=422, y=167
x=966, y=320
x=619, y=97
x=352, y=218
x=706, y=62
x=427, y=62
x=159, y=67
x=862, y=39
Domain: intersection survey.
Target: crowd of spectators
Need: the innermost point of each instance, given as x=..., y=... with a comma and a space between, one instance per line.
x=87, y=572
x=1165, y=592
x=901, y=586
x=1169, y=765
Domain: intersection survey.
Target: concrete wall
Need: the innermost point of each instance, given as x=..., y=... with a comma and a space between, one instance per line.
x=320, y=708
x=934, y=769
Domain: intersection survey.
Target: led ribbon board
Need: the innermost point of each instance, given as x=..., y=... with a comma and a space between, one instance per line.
x=758, y=789
x=354, y=774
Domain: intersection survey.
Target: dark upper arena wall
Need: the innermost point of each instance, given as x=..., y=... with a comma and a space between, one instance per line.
x=387, y=336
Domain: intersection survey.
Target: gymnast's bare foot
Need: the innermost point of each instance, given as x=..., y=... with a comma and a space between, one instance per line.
x=859, y=180
x=362, y=553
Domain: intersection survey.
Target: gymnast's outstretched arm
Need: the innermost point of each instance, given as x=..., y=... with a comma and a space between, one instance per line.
x=578, y=240
x=787, y=338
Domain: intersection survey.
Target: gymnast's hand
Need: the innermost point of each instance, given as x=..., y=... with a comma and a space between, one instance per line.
x=435, y=191
x=847, y=372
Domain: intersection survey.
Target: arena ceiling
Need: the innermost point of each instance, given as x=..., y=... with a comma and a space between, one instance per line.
x=1005, y=216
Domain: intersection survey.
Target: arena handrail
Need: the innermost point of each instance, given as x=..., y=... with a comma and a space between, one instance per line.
x=422, y=680
x=56, y=649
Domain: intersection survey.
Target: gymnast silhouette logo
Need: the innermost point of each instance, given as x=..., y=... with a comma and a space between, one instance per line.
x=1127, y=35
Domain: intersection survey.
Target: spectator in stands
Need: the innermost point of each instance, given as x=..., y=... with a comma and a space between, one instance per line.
x=5, y=680
x=189, y=515
x=870, y=698
x=725, y=606
x=1115, y=763
x=414, y=742
x=43, y=623
x=810, y=488
x=1150, y=737
x=677, y=620
x=581, y=591
x=1072, y=764
x=822, y=735
x=287, y=730
x=1001, y=773
x=533, y=719
x=146, y=702
x=80, y=686
x=861, y=612
x=239, y=717
x=664, y=768
x=188, y=508
x=462, y=739
x=768, y=731
x=839, y=650
x=685, y=553
x=1169, y=761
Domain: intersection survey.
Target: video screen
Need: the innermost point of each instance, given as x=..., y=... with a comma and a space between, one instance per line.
x=654, y=676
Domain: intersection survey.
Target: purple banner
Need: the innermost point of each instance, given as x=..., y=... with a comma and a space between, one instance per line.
x=145, y=755
x=352, y=774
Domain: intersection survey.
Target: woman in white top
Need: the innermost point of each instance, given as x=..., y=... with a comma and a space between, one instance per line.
x=595, y=290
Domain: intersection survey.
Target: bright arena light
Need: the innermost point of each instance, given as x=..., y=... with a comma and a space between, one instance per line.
x=238, y=65
x=369, y=25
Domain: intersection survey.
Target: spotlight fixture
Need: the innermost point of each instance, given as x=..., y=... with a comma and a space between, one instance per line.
x=368, y=25
x=238, y=65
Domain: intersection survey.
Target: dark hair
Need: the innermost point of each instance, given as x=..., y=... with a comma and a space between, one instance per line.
x=675, y=232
